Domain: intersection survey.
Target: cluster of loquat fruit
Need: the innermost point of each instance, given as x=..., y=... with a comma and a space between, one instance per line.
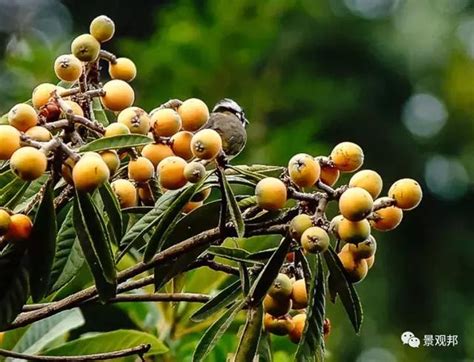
x=360, y=207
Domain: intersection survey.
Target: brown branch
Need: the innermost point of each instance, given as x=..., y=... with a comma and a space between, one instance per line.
x=303, y=196
x=139, y=350
x=103, y=54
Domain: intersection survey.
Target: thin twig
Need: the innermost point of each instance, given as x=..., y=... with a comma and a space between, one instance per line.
x=103, y=54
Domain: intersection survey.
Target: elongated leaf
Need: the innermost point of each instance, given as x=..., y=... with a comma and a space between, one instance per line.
x=147, y=222
x=8, y=192
x=6, y=177
x=43, y=332
x=42, y=247
x=168, y=220
x=142, y=210
x=235, y=254
x=269, y=273
x=109, y=342
x=265, y=353
x=251, y=334
x=244, y=278
x=13, y=284
x=310, y=346
x=99, y=113
x=95, y=244
x=11, y=204
x=221, y=300
x=32, y=190
x=69, y=257
x=262, y=254
x=344, y=288
x=251, y=175
x=212, y=335
x=116, y=142
x=112, y=208
x=233, y=207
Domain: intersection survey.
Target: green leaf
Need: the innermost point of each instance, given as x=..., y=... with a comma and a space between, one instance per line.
x=225, y=297
x=69, y=257
x=251, y=175
x=95, y=245
x=8, y=192
x=248, y=202
x=112, y=208
x=44, y=331
x=233, y=207
x=6, y=177
x=262, y=254
x=344, y=288
x=109, y=342
x=244, y=278
x=235, y=254
x=147, y=222
x=265, y=348
x=99, y=113
x=168, y=220
x=31, y=191
x=310, y=347
x=212, y=335
x=269, y=273
x=42, y=246
x=11, y=204
x=251, y=334
x=116, y=142
x=13, y=284
x=142, y=210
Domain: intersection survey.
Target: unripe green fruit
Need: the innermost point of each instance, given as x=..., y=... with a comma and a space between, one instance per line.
x=281, y=287
x=194, y=172
x=276, y=308
x=102, y=28
x=355, y=204
x=315, y=240
x=299, y=224
x=28, y=163
x=85, y=48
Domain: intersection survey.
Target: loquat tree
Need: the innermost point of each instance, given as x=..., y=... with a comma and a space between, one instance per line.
x=89, y=177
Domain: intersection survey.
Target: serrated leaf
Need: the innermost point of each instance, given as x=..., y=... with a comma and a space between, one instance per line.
x=251, y=334
x=232, y=206
x=116, y=143
x=235, y=254
x=137, y=210
x=345, y=289
x=244, y=278
x=212, y=335
x=95, y=244
x=6, y=177
x=69, y=257
x=42, y=246
x=11, y=204
x=310, y=346
x=109, y=342
x=13, y=284
x=31, y=191
x=8, y=192
x=251, y=175
x=112, y=208
x=219, y=301
x=268, y=274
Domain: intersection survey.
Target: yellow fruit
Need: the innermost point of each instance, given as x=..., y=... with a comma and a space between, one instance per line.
x=118, y=95
x=9, y=141
x=42, y=94
x=388, y=218
x=194, y=114
x=90, y=172
x=299, y=294
x=368, y=180
x=370, y=261
x=68, y=68
x=126, y=193
x=66, y=170
x=5, y=221
x=85, y=47
x=364, y=249
x=19, y=228
x=76, y=108
x=181, y=144
x=329, y=175
x=271, y=193
x=356, y=269
x=278, y=326
x=123, y=69
x=315, y=240
x=407, y=193
x=347, y=157
x=171, y=173
x=299, y=224
x=156, y=152
x=191, y=205
x=39, y=134
x=141, y=169
x=281, y=287
x=116, y=129
x=355, y=204
x=28, y=163
x=304, y=171
x=194, y=172
x=102, y=28
x=206, y=144
x=22, y=117
x=353, y=231
x=296, y=333
x=112, y=160
x=136, y=120
x=334, y=225
x=165, y=122
x=276, y=308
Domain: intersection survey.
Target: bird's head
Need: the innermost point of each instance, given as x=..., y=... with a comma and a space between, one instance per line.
x=231, y=106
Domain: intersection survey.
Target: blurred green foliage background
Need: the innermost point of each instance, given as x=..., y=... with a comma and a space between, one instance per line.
x=395, y=76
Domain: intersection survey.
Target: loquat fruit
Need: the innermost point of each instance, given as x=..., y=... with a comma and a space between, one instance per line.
x=271, y=193
x=39, y=133
x=355, y=204
x=5, y=221
x=353, y=231
x=19, y=229
x=304, y=171
x=116, y=129
x=86, y=48
x=112, y=160
x=356, y=269
x=278, y=326
x=136, y=120
x=141, y=169
x=364, y=249
x=299, y=224
x=165, y=122
x=90, y=172
x=315, y=240
x=118, y=96
x=156, y=152
x=22, y=116
x=194, y=114
x=126, y=193
x=42, y=94
x=28, y=163
x=10, y=141
x=329, y=175
x=123, y=69
x=369, y=180
x=67, y=67
x=171, y=173
x=388, y=218
x=347, y=156
x=299, y=294
x=181, y=144
x=194, y=172
x=281, y=287
x=276, y=308
x=297, y=332
x=407, y=193
x=206, y=144
x=102, y=28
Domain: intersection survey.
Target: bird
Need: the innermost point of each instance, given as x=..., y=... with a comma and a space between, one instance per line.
x=228, y=119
